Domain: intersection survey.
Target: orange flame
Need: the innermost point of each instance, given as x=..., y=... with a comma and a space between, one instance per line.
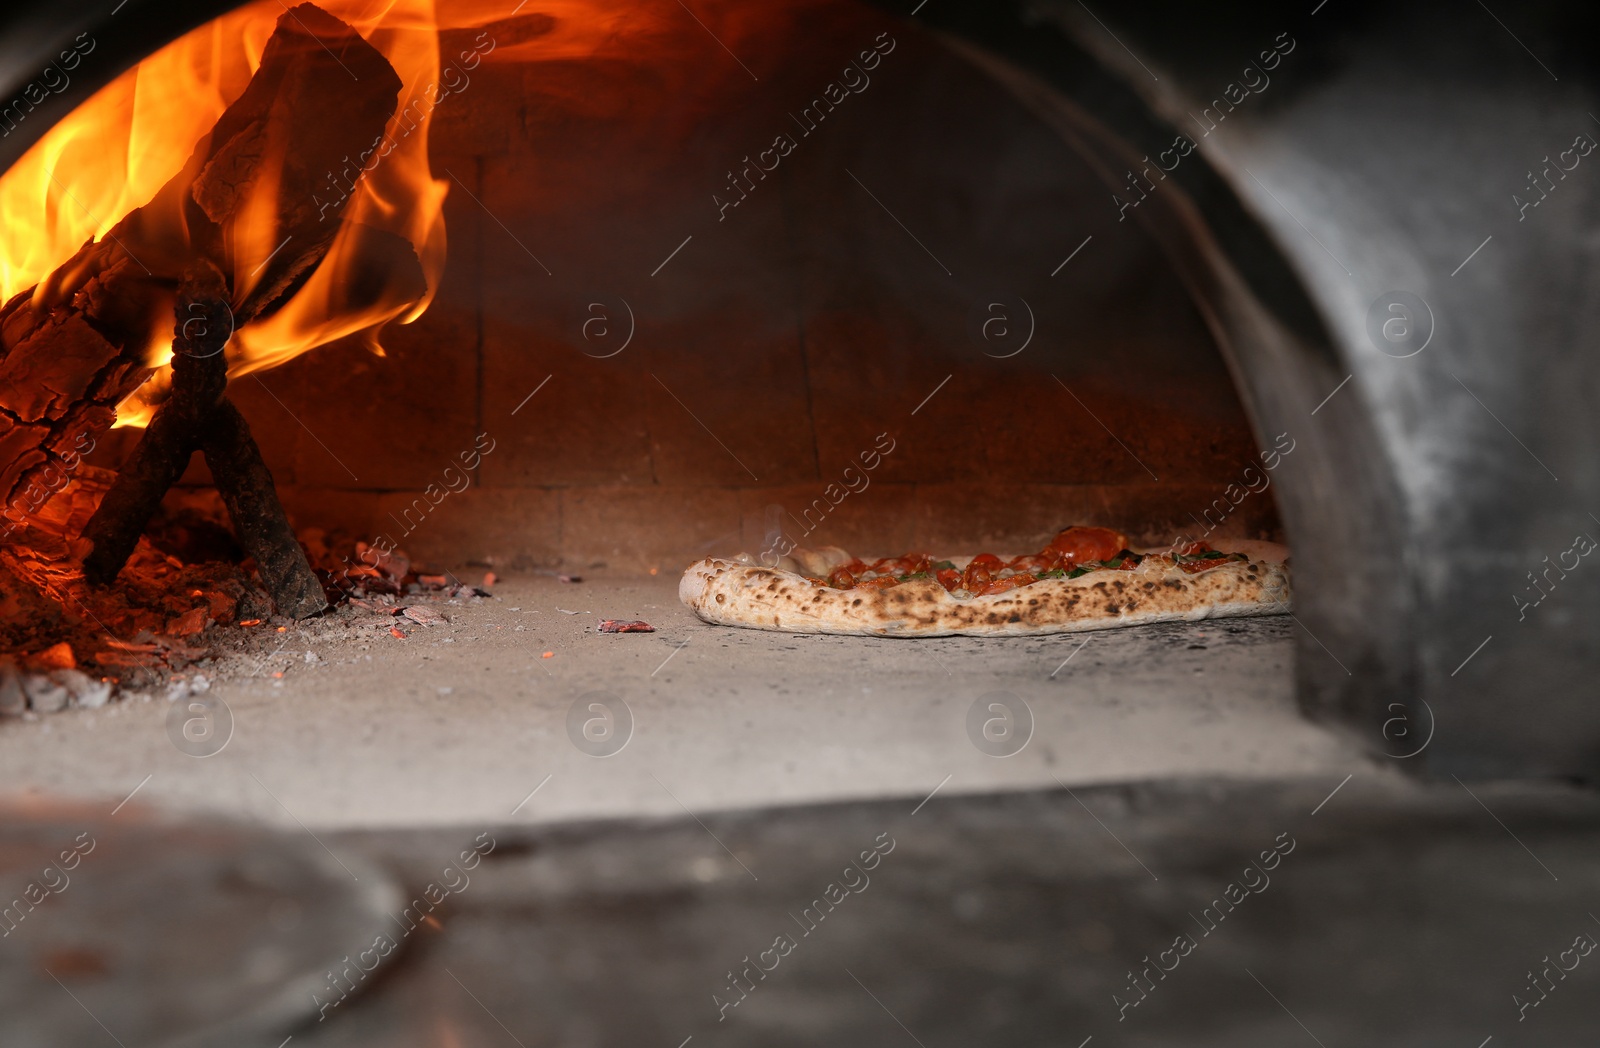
x=114, y=152
x=123, y=144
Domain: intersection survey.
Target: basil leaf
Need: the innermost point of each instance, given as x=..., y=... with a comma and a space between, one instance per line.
x=944, y=564
x=915, y=575
x=1077, y=572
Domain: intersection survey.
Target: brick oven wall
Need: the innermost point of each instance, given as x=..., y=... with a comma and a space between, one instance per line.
x=793, y=334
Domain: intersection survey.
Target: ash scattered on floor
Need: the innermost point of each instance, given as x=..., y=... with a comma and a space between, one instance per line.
x=187, y=610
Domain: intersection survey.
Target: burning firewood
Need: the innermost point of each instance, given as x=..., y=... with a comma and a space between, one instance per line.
x=225, y=242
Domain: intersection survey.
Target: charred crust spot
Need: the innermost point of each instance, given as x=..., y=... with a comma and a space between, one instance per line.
x=1149, y=585
x=1251, y=576
x=856, y=603
x=1015, y=618
x=721, y=599
x=1176, y=584
x=1112, y=609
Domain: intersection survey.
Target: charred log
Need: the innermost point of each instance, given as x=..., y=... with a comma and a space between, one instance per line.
x=259, y=521
x=198, y=417
x=199, y=376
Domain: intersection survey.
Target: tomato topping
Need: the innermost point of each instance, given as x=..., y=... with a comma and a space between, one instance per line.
x=1049, y=560
x=909, y=564
x=1207, y=558
x=1001, y=585
x=1076, y=545
x=1072, y=553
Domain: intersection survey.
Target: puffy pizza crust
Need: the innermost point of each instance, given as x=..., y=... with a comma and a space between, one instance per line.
x=734, y=594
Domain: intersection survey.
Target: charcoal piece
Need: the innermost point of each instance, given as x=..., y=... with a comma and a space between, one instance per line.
x=258, y=518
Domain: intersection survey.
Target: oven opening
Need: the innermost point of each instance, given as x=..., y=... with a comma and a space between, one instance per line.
x=434, y=342
x=307, y=246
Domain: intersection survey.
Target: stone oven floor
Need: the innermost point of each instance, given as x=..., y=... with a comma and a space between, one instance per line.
x=460, y=722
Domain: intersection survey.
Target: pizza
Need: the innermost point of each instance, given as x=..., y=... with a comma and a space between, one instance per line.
x=1086, y=578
